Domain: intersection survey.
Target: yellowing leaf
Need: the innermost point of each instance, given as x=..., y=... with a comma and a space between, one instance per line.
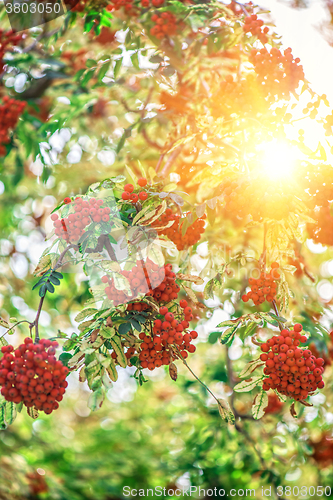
x=248, y=385
x=189, y=277
x=250, y=367
x=119, y=350
x=259, y=404
x=226, y=412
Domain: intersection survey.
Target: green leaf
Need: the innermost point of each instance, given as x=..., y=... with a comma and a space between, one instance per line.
x=54, y=280
x=4, y=323
x=65, y=357
x=85, y=314
x=229, y=322
x=259, y=404
x=102, y=72
x=117, y=67
x=124, y=328
x=42, y=291
x=112, y=371
x=107, y=332
x=228, y=335
x=250, y=367
x=96, y=399
x=119, y=350
x=136, y=324
x=226, y=412
x=50, y=287
x=248, y=385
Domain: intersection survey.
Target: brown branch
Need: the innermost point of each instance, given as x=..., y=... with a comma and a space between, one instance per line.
x=171, y=159
x=149, y=141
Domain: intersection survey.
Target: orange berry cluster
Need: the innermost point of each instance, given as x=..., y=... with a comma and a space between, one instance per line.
x=256, y=197
x=174, y=232
x=165, y=25
x=292, y=371
x=129, y=195
x=263, y=288
x=8, y=39
x=154, y=3
x=322, y=230
x=254, y=25
x=161, y=347
x=279, y=74
x=240, y=96
x=10, y=111
x=31, y=374
x=145, y=278
x=71, y=228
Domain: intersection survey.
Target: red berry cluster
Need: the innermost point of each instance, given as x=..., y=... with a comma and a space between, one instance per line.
x=292, y=371
x=323, y=450
x=322, y=230
x=278, y=74
x=162, y=347
x=8, y=39
x=32, y=374
x=118, y=4
x=165, y=25
x=254, y=25
x=71, y=228
x=154, y=3
x=10, y=111
x=174, y=232
x=145, y=278
x=129, y=195
x=263, y=288
x=274, y=404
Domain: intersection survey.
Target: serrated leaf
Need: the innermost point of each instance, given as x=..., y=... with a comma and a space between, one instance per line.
x=229, y=322
x=75, y=359
x=107, y=332
x=119, y=350
x=228, y=335
x=189, y=277
x=85, y=313
x=248, y=385
x=155, y=255
x=112, y=371
x=150, y=217
x=259, y=404
x=250, y=367
x=86, y=324
x=226, y=412
x=191, y=294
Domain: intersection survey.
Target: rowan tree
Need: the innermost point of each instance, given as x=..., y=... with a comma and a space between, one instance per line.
x=167, y=190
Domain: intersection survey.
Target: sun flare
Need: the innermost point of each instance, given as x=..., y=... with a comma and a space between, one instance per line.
x=278, y=159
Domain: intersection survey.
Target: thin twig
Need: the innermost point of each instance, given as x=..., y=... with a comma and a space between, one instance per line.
x=277, y=313
x=171, y=159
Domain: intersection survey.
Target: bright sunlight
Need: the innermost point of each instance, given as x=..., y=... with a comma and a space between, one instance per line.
x=279, y=159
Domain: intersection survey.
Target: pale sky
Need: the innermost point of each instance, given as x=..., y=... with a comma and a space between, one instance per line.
x=299, y=30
